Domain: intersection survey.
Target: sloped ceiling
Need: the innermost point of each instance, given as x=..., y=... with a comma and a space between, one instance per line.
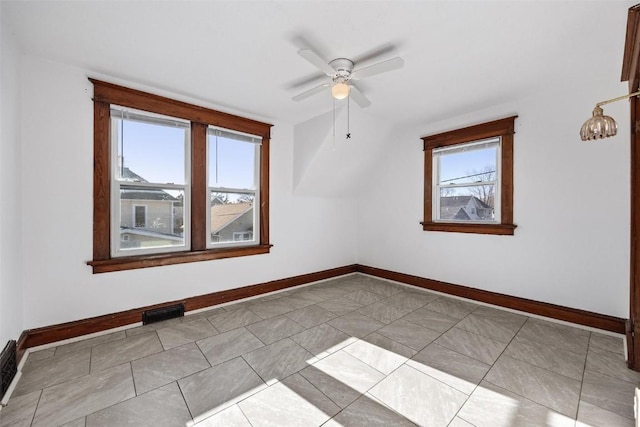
x=460, y=56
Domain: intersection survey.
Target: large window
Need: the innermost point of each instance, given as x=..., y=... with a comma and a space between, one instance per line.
x=468, y=179
x=175, y=182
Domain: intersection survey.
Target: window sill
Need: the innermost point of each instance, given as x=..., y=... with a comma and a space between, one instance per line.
x=156, y=260
x=498, y=229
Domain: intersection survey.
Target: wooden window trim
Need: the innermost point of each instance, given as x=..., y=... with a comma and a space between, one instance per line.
x=106, y=94
x=504, y=128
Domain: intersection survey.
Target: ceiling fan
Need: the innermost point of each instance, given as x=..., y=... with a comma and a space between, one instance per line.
x=342, y=73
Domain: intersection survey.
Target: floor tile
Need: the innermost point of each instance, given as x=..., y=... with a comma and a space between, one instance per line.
x=153, y=326
x=271, y=308
x=274, y=329
x=492, y=406
x=607, y=342
x=499, y=314
x=452, y=307
x=227, y=321
x=20, y=410
x=459, y=422
x=367, y=412
x=556, y=335
x=382, y=287
x=498, y=328
x=409, y=334
x=433, y=320
x=89, y=342
x=41, y=354
x=419, y=397
x=278, y=360
x=310, y=316
x=322, y=340
x=74, y=399
x=378, y=358
x=356, y=324
x=292, y=402
x=161, y=407
x=544, y=387
x=300, y=301
x=592, y=416
x=385, y=312
x=342, y=377
x=225, y=385
x=163, y=368
x=481, y=348
x=611, y=364
x=79, y=422
x=185, y=332
x=390, y=345
x=560, y=361
x=54, y=370
x=340, y=306
x=608, y=393
x=230, y=417
x=114, y=353
x=363, y=297
x=457, y=370
x=228, y=345
x=412, y=300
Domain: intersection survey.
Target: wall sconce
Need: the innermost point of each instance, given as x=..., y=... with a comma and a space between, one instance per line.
x=600, y=126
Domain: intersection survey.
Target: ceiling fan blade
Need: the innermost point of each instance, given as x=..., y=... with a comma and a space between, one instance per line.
x=317, y=61
x=307, y=93
x=380, y=67
x=358, y=97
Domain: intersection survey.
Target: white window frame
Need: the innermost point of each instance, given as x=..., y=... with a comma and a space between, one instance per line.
x=147, y=117
x=497, y=183
x=255, y=192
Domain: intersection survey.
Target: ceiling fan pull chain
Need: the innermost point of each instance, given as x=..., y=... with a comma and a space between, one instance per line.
x=348, y=117
x=334, y=124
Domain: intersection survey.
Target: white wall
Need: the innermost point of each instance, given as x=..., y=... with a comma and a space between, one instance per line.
x=10, y=244
x=308, y=233
x=571, y=206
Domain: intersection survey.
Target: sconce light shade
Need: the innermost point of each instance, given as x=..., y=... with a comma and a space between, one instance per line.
x=340, y=90
x=599, y=126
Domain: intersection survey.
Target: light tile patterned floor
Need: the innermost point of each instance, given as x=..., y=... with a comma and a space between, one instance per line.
x=353, y=351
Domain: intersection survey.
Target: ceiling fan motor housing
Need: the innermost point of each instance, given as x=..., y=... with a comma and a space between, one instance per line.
x=343, y=68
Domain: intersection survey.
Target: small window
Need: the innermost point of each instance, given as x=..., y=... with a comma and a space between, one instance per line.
x=140, y=216
x=468, y=179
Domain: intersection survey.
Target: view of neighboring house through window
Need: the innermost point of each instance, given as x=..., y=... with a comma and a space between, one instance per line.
x=466, y=182
x=234, y=181
x=149, y=155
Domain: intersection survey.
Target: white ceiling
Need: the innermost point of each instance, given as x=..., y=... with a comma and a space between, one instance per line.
x=460, y=55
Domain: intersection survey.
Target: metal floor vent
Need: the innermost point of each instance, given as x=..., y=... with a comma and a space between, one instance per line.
x=162, y=313
x=8, y=366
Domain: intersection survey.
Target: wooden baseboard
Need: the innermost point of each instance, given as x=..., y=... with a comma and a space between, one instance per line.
x=573, y=315
x=63, y=331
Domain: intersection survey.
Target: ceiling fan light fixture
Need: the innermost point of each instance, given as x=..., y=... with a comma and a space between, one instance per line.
x=340, y=90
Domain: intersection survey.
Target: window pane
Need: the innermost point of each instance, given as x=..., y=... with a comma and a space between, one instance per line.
x=149, y=152
x=231, y=162
x=473, y=203
x=232, y=218
x=477, y=164
x=151, y=217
